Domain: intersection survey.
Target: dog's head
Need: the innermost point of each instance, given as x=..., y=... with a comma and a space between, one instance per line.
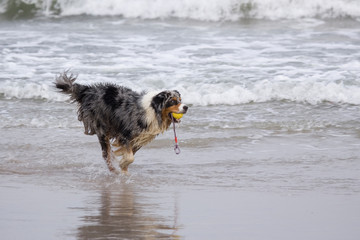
x=168, y=102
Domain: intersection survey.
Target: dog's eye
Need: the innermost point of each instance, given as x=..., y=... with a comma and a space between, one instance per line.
x=173, y=102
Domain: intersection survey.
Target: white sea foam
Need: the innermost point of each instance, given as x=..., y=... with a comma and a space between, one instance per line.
x=21, y=90
x=209, y=65
x=209, y=10
x=264, y=91
x=219, y=94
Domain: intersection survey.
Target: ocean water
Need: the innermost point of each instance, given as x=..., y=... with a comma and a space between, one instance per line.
x=274, y=95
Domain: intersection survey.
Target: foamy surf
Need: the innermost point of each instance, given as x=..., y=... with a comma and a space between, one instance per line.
x=217, y=94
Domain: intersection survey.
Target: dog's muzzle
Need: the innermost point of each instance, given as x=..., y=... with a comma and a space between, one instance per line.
x=182, y=110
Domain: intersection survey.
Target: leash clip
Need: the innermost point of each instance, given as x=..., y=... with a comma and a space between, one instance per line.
x=177, y=149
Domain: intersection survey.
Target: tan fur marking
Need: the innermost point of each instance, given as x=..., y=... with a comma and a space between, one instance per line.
x=128, y=158
x=166, y=111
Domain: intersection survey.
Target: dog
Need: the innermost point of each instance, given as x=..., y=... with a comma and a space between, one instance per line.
x=121, y=117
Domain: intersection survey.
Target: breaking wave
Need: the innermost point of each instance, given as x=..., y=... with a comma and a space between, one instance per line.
x=204, y=10
x=217, y=94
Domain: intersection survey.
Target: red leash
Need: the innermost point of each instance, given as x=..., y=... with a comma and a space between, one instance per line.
x=176, y=148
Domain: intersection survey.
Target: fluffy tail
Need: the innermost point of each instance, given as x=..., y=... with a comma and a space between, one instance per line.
x=65, y=82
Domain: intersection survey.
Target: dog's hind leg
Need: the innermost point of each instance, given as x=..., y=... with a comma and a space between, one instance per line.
x=127, y=159
x=106, y=152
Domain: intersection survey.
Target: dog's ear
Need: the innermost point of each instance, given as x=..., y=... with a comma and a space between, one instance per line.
x=158, y=102
x=176, y=91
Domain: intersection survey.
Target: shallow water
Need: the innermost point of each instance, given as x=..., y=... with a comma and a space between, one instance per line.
x=270, y=145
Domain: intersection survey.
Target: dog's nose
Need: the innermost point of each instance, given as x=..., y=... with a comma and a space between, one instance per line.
x=185, y=108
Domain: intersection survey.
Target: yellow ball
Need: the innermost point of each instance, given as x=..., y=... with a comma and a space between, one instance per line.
x=177, y=115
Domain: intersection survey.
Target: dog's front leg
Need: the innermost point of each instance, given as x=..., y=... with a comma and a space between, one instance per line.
x=127, y=159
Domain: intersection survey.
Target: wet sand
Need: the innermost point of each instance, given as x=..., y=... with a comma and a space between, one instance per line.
x=128, y=211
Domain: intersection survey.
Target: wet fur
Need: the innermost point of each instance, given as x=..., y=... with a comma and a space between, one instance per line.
x=121, y=116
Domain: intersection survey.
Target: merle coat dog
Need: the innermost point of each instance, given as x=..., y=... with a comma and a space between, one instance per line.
x=121, y=117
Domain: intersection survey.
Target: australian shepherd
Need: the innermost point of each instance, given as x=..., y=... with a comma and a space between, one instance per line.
x=121, y=117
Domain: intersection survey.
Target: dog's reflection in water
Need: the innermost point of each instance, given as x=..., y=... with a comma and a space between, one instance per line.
x=123, y=214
